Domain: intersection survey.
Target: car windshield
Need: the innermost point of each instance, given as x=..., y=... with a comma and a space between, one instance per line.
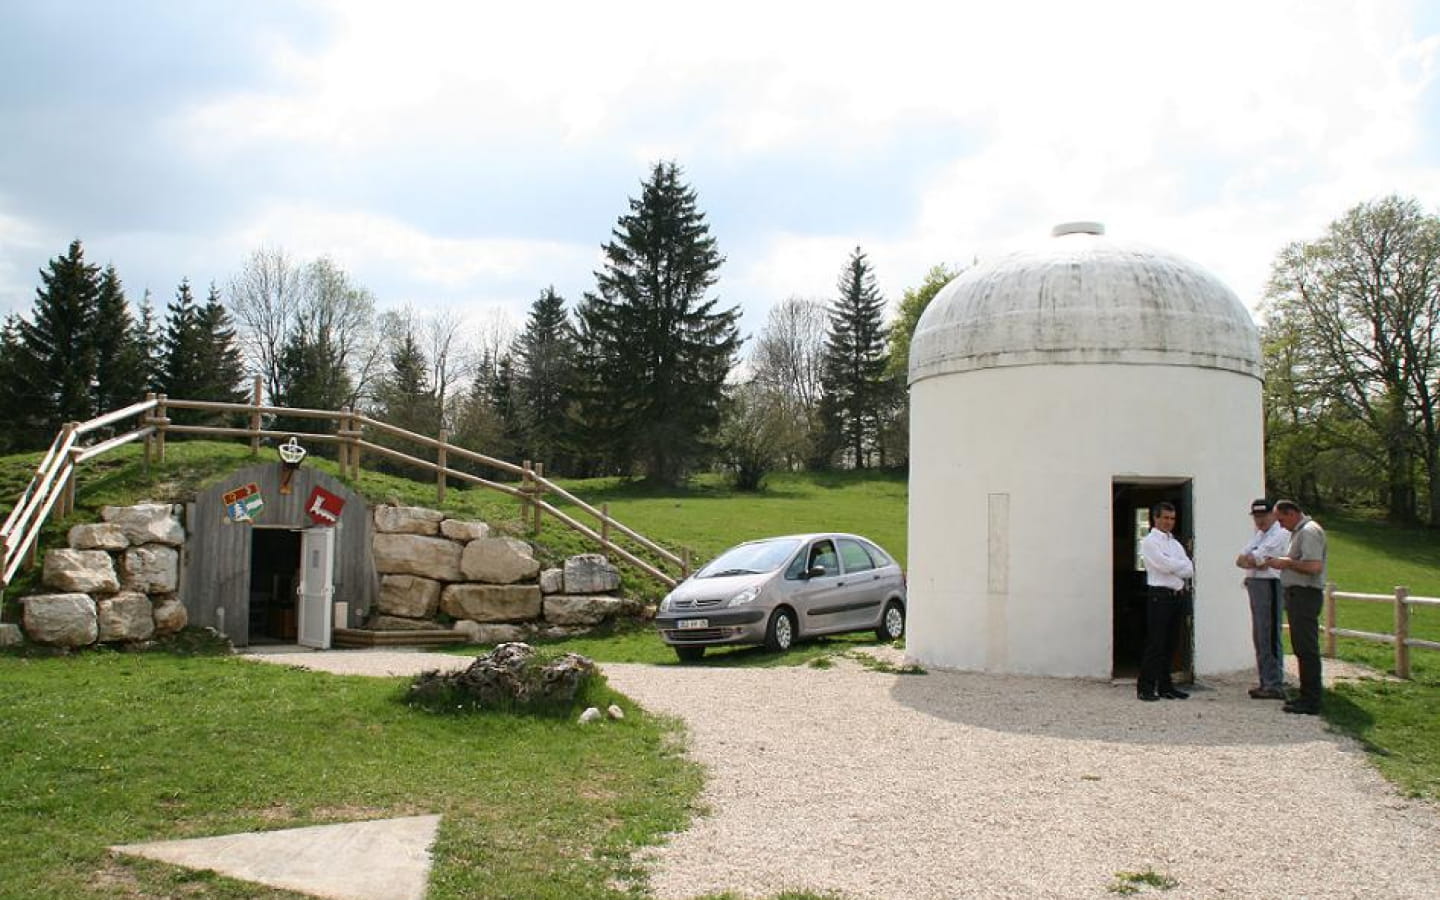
x=751, y=559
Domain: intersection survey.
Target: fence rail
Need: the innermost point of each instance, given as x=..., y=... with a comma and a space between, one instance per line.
x=1400, y=639
x=52, y=488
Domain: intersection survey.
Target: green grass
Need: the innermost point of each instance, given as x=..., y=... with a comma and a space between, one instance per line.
x=104, y=748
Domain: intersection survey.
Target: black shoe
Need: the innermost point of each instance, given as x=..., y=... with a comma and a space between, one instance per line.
x=1148, y=696
x=1174, y=694
x=1302, y=709
x=1267, y=694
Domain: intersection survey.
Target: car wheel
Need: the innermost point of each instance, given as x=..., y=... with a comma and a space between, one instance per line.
x=892, y=623
x=690, y=654
x=780, y=633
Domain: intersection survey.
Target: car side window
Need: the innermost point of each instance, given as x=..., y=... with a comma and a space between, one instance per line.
x=854, y=556
x=876, y=555
x=796, y=570
x=822, y=553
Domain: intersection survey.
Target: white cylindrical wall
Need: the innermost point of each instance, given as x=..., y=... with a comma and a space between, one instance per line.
x=1010, y=537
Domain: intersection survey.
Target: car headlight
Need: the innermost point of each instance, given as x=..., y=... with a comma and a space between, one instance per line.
x=744, y=597
x=667, y=603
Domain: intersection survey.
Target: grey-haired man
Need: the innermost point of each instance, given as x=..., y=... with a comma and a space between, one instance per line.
x=1263, y=585
x=1302, y=574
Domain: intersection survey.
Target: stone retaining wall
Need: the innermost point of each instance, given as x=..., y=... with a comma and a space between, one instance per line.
x=115, y=582
x=437, y=572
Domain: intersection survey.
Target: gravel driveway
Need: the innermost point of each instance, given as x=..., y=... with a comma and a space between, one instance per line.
x=948, y=785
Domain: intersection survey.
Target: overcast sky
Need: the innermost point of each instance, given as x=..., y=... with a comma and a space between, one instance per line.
x=467, y=155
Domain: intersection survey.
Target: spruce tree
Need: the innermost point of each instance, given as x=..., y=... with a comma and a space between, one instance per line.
x=120, y=366
x=544, y=381
x=221, y=362
x=856, y=391
x=58, y=355
x=654, y=349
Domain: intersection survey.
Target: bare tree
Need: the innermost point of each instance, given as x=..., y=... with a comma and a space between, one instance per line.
x=449, y=356
x=341, y=314
x=265, y=298
x=787, y=363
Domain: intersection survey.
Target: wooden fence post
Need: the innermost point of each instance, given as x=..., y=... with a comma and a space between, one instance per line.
x=525, y=491
x=605, y=525
x=440, y=470
x=149, y=438
x=355, y=436
x=1402, y=632
x=255, y=396
x=1330, y=619
x=539, y=495
x=342, y=449
x=161, y=421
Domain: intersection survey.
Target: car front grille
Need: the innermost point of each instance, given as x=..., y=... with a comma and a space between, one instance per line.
x=704, y=603
x=697, y=635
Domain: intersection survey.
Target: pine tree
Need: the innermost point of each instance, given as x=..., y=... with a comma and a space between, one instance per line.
x=222, y=364
x=544, y=381
x=18, y=396
x=146, y=340
x=655, y=351
x=856, y=391
x=58, y=356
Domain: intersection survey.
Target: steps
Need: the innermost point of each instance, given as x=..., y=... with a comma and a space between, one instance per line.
x=365, y=637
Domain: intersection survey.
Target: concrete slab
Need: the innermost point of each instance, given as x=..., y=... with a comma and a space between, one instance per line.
x=383, y=859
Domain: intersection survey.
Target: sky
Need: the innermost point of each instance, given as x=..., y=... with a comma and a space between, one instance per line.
x=462, y=157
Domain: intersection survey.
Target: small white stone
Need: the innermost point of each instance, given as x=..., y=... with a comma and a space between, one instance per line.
x=615, y=712
x=590, y=715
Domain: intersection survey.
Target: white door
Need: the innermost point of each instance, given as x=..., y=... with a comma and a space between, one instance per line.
x=317, y=584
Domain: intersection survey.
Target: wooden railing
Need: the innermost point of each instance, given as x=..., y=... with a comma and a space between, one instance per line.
x=1400, y=639
x=52, y=489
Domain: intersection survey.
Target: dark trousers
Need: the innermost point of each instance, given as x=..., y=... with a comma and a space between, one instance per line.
x=1302, y=608
x=1163, y=611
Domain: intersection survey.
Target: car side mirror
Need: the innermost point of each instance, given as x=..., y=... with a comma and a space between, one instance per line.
x=815, y=571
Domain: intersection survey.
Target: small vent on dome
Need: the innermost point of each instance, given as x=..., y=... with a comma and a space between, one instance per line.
x=1065, y=228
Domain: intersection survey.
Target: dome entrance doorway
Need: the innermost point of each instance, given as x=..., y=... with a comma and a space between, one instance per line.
x=1131, y=501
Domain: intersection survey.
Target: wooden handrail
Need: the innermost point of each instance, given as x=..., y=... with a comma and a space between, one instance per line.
x=53, y=479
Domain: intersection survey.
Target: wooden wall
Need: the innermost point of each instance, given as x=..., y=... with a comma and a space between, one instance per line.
x=216, y=562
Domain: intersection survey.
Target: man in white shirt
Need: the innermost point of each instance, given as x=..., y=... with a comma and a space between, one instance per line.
x=1263, y=584
x=1167, y=566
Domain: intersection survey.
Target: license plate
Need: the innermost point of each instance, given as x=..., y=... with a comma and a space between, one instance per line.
x=693, y=623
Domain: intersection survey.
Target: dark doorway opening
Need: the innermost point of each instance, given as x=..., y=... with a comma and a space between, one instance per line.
x=274, y=577
x=1131, y=500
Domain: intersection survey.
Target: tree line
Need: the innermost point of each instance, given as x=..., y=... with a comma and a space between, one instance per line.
x=647, y=375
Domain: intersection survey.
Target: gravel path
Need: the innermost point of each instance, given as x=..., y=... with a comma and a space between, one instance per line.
x=952, y=785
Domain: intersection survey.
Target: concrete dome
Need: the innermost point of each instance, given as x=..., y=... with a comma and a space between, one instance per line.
x=1083, y=298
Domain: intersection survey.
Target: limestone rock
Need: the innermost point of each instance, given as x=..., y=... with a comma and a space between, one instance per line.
x=170, y=615
x=491, y=602
x=63, y=620
x=397, y=623
x=614, y=712
x=10, y=634
x=127, y=616
x=151, y=569
x=590, y=573
x=407, y=520
x=501, y=560
x=408, y=595
x=563, y=609
x=457, y=530
x=552, y=581
x=477, y=633
x=413, y=554
x=98, y=536
x=591, y=714
x=147, y=523
x=561, y=632
x=84, y=571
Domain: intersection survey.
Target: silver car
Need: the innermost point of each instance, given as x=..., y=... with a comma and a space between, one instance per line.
x=776, y=590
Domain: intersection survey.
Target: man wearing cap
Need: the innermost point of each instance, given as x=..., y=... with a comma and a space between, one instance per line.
x=1167, y=565
x=1263, y=584
x=1302, y=575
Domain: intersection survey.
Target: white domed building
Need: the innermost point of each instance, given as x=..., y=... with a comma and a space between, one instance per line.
x=1055, y=395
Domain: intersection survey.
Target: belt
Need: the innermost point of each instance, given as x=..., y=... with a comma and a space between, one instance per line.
x=1165, y=590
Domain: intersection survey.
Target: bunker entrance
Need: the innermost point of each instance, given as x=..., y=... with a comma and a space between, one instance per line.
x=1131, y=500
x=274, y=579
